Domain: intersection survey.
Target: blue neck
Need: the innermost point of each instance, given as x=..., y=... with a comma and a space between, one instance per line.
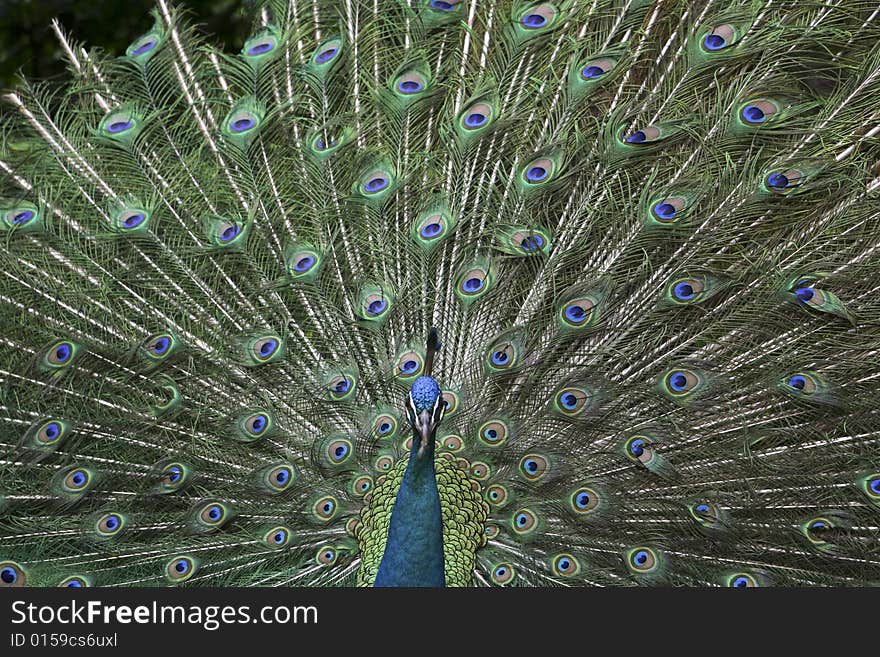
x=414, y=551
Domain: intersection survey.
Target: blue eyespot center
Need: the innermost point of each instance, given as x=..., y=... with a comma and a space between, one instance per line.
x=377, y=307
x=279, y=537
x=268, y=347
x=804, y=294
x=798, y=381
x=215, y=512
x=684, y=291
x=304, y=264
x=146, y=46
x=431, y=230
x=741, y=582
x=702, y=508
x=62, y=352
x=583, y=500
x=8, y=575
x=181, y=566
x=342, y=386
x=665, y=210
x=376, y=184
x=326, y=55
x=229, y=233
x=564, y=564
x=569, y=401
x=536, y=174
x=242, y=125
x=521, y=519
x=753, y=114
x=500, y=357
x=533, y=21
x=531, y=465
x=112, y=522
x=385, y=427
x=777, y=180
x=439, y=5
x=174, y=473
x=259, y=423
x=575, y=313
x=133, y=220
x=641, y=557
x=638, y=137
x=475, y=120
x=678, y=381
x=637, y=447
x=74, y=584
x=52, y=431
x=161, y=345
x=78, y=479
x=875, y=485
x=409, y=86
x=592, y=72
x=409, y=367
x=473, y=284
x=261, y=48
x=531, y=242
x=282, y=476
x=118, y=126
x=714, y=42
x=23, y=217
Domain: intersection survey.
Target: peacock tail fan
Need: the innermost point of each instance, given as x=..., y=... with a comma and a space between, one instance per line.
x=645, y=232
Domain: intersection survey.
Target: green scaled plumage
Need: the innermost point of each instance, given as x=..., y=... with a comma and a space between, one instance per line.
x=645, y=233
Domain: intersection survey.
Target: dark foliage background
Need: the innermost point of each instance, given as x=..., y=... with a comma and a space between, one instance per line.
x=28, y=44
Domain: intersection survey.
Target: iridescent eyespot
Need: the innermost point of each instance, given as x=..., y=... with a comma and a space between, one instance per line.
x=783, y=181
x=443, y=5
x=870, y=486
x=757, y=111
x=668, y=210
x=680, y=381
x=77, y=480
x=142, y=46
x=473, y=282
x=174, y=476
x=819, y=530
x=538, y=17
x=718, y=38
x=584, y=500
x=565, y=565
x=477, y=116
x=492, y=531
x=327, y=51
x=61, y=354
x=577, y=313
x=496, y=495
x=257, y=424
x=502, y=356
x=261, y=44
x=479, y=470
x=181, y=568
x=644, y=135
x=533, y=467
x=280, y=477
x=242, y=121
x=524, y=521
x=741, y=581
x=339, y=451
x=384, y=463
x=131, y=219
x=642, y=559
x=409, y=365
x=110, y=524
x=596, y=69
x=410, y=83
x=264, y=349
x=493, y=433
x=503, y=573
x=639, y=448
x=451, y=401
x=340, y=386
x=538, y=171
x=74, y=582
x=432, y=227
x=529, y=242
x=277, y=537
x=325, y=508
x=375, y=305
x=12, y=575
x=801, y=383
x=326, y=555
x=572, y=401
x=213, y=514
x=23, y=217
x=384, y=426
x=361, y=485
x=51, y=432
x=453, y=443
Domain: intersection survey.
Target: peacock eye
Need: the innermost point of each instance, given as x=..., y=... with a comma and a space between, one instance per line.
x=584, y=500
x=718, y=38
x=11, y=575
x=325, y=508
x=597, y=68
x=277, y=537
x=533, y=467
x=565, y=565
x=181, y=568
x=742, y=581
x=326, y=556
x=338, y=451
x=327, y=51
x=642, y=559
x=493, y=433
x=503, y=573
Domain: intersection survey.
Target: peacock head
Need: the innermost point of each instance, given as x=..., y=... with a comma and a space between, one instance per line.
x=424, y=408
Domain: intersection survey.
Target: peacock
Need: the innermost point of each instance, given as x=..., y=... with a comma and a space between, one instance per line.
x=447, y=293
